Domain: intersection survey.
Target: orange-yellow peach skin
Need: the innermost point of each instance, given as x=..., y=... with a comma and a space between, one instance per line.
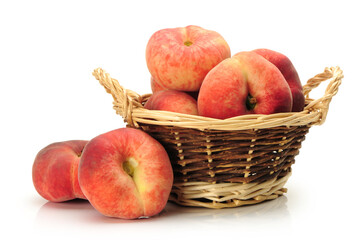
x=284, y=64
x=173, y=101
x=156, y=87
x=126, y=174
x=180, y=58
x=55, y=171
x=244, y=84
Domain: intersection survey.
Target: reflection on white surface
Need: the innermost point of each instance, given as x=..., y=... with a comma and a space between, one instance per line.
x=75, y=215
x=277, y=206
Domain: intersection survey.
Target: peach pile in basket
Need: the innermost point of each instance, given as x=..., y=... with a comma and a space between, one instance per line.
x=125, y=173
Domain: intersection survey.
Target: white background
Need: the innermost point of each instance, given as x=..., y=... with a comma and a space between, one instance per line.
x=49, y=49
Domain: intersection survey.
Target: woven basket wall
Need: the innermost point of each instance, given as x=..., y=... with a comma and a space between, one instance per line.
x=226, y=163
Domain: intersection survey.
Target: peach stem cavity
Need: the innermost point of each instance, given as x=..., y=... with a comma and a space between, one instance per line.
x=129, y=166
x=251, y=102
x=188, y=43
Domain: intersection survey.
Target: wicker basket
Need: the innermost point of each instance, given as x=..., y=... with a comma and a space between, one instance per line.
x=226, y=163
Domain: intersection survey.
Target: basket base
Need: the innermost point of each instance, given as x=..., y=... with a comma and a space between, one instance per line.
x=227, y=195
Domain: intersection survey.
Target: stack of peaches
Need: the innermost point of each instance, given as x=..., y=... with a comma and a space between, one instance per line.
x=125, y=173
x=196, y=62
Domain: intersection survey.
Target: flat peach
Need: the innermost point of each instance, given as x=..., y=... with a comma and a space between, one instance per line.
x=180, y=58
x=244, y=84
x=126, y=174
x=173, y=101
x=55, y=171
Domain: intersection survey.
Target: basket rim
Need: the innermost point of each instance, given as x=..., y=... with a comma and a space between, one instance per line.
x=130, y=105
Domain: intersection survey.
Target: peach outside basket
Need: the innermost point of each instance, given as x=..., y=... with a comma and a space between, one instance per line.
x=226, y=163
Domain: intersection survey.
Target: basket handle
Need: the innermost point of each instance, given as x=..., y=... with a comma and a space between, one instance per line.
x=125, y=100
x=335, y=75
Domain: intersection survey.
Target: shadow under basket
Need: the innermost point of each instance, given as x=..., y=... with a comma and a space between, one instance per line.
x=226, y=163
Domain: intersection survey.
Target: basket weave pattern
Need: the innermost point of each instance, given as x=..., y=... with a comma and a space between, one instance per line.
x=232, y=162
